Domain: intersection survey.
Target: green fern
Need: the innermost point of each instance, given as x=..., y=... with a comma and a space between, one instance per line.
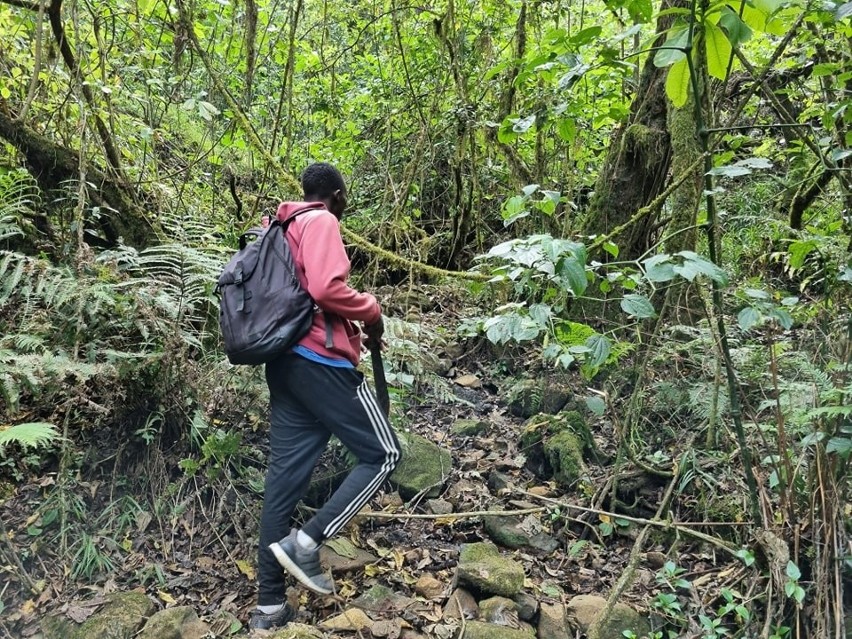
x=19, y=197
x=29, y=435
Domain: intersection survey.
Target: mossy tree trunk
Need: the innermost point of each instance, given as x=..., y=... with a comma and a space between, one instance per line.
x=637, y=165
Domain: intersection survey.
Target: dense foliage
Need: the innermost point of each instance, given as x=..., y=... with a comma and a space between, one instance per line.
x=653, y=201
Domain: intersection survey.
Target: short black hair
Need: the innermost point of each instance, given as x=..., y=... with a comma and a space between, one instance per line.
x=320, y=180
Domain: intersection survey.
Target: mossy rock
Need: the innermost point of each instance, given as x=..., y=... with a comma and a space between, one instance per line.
x=584, y=610
x=529, y=397
x=56, y=627
x=509, y=533
x=424, y=465
x=565, y=456
x=121, y=618
x=468, y=427
x=180, y=622
x=482, y=630
x=554, y=446
x=482, y=567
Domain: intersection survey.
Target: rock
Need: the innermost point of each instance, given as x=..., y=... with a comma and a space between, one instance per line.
x=583, y=610
x=498, y=481
x=468, y=381
x=353, y=619
x=424, y=466
x=383, y=599
x=565, y=454
x=499, y=610
x=509, y=532
x=120, y=618
x=429, y=587
x=180, y=622
x=468, y=427
x=298, y=631
x=480, y=630
x=482, y=567
x=553, y=622
x=461, y=603
x=56, y=627
x=355, y=559
x=526, y=604
x=553, y=448
x=531, y=396
x=439, y=506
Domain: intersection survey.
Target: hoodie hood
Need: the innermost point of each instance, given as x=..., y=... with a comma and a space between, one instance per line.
x=286, y=210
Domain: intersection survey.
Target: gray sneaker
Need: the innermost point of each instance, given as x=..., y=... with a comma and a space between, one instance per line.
x=262, y=621
x=303, y=564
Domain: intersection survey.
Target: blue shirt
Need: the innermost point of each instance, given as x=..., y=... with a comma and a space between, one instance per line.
x=307, y=353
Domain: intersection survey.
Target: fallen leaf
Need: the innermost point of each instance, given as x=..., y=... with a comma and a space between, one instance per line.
x=353, y=619
x=27, y=608
x=343, y=547
x=468, y=381
x=79, y=613
x=166, y=597
x=246, y=568
x=389, y=628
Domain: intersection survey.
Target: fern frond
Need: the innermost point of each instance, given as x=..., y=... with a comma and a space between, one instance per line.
x=31, y=434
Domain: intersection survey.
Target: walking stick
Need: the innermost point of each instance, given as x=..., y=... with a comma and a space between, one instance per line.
x=379, y=378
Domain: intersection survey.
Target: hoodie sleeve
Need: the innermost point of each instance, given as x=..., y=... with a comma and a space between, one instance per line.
x=326, y=269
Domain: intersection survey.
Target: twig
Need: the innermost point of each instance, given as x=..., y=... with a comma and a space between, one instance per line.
x=23, y=575
x=374, y=514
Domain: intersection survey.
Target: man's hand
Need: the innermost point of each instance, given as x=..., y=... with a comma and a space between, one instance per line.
x=374, y=333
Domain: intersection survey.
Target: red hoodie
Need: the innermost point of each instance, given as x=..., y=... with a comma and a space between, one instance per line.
x=323, y=268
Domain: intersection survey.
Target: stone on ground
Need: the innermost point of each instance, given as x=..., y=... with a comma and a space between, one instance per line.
x=481, y=630
x=429, y=587
x=424, y=467
x=468, y=427
x=120, y=618
x=180, y=622
x=483, y=568
x=510, y=532
x=461, y=604
x=527, y=605
x=553, y=622
x=553, y=447
x=584, y=610
x=353, y=620
x=531, y=396
x=499, y=610
x=383, y=599
x=298, y=631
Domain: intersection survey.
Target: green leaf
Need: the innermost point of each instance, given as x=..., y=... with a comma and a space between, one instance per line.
x=659, y=268
x=695, y=264
x=782, y=317
x=638, y=306
x=748, y=318
x=573, y=274
x=567, y=130
x=599, y=349
x=719, y=51
x=738, y=31
x=677, y=83
x=673, y=48
x=522, y=125
x=793, y=571
x=596, y=405
x=843, y=11
x=31, y=434
x=840, y=445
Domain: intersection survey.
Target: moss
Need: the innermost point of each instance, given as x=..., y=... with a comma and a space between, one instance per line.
x=480, y=630
x=482, y=567
x=468, y=427
x=121, y=618
x=423, y=466
x=565, y=454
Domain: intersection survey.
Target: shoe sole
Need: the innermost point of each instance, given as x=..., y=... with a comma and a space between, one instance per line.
x=291, y=567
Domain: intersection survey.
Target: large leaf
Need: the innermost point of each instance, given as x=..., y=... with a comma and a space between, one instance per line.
x=638, y=306
x=30, y=434
x=738, y=31
x=718, y=51
x=573, y=274
x=599, y=349
x=748, y=318
x=659, y=268
x=677, y=83
x=673, y=49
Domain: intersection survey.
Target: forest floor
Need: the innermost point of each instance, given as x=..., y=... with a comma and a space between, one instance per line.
x=189, y=539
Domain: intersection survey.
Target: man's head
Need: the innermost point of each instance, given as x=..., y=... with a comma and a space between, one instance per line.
x=321, y=182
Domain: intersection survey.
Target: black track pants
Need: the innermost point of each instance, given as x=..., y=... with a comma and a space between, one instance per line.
x=309, y=402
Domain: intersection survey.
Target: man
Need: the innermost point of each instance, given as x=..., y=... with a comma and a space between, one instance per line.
x=315, y=392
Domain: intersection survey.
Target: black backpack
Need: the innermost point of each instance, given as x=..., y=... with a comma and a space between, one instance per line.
x=263, y=309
